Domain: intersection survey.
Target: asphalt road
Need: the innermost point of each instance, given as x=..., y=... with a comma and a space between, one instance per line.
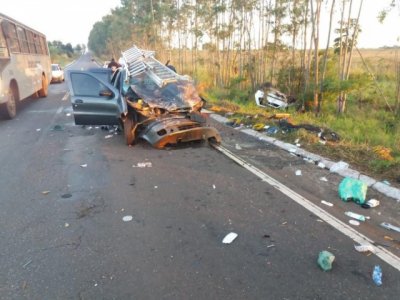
x=63, y=235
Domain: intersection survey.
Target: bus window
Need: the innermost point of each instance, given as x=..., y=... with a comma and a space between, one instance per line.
x=3, y=46
x=11, y=35
x=31, y=42
x=22, y=40
x=38, y=46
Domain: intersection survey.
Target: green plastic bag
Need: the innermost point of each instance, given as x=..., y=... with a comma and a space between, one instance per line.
x=353, y=189
x=325, y=260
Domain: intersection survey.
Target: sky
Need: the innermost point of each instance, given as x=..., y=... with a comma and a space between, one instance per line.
x=71, y=21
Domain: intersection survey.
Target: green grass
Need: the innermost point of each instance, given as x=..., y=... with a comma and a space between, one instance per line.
x=361, y=130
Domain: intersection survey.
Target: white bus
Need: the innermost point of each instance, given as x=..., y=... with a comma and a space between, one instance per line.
x=25, y=65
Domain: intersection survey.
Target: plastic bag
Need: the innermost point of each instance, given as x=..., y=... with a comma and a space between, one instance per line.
x=353, y=189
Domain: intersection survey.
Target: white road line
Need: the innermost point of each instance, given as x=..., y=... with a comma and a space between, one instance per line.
x=65, y=96
x=356, y=236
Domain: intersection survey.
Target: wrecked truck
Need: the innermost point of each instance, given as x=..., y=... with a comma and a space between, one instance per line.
x=146, y=98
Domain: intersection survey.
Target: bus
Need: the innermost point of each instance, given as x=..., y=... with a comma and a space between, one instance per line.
x=25, y=65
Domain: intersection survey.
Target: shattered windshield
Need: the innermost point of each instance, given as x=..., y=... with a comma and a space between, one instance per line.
x=180, y=94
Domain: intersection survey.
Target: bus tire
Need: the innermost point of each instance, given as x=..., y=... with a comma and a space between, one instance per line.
x=45, y=85
x=9, y=108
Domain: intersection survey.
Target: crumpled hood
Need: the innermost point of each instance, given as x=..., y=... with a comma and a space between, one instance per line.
x=173, y=96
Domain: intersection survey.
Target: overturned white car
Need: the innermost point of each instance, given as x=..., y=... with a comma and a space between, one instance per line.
x=271, y=97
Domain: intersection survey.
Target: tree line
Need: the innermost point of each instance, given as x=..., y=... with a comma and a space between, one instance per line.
x=244, y=43
x=57, y=48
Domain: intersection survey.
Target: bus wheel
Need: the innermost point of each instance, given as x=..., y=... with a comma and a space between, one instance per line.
x=9, y=108
x=128, y=126
x=44, y=90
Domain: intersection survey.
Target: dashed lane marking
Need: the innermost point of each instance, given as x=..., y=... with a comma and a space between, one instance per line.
x=356, y=236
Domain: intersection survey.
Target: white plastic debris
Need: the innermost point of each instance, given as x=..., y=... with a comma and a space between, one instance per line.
x=237, y=147
x=364, y=248
x=38, y=129
x=68, y=114
x=354, y=222
x=66, y=225
x=127, y=218
x=341, y=165
x=229, y=238
x=323, y=179
x=298, y=173
x=145, y=164
x=373, y=202
x=84, y=165
x=214, y=187
x=321, y=165
x=327, y=203
x=108, y=136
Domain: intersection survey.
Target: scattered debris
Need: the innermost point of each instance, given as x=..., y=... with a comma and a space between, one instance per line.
x=386, y=182
x=272, y=130
x=65, y=196
x=325, y=260
x=377, y=275
x=298, y=173
x=38, y=129
x=354, y=222
x=27, y=263
x=259, y=126
x=45, y=192
x=323, y=179
x=356, y=216
x=373, y=203
x=108, y=136
x=321, y=165
x=389, y=238
x=214, y=187
x=229, y=238
x=353, y=189
x=384, y=153
x=365, y=248
x=58, y=128
x=269, y=246
x=327, y=203
x=237, y=147
x=127, y=218
x=68, y=114
x=390, y=226
x=66, y=225
x=146, y=164
x=84, y=165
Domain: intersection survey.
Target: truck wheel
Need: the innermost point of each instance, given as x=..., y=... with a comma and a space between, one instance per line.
x=45, y=85
x=9, y=109
x=128, y=126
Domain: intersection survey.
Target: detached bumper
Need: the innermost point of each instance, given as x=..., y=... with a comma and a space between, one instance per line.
x=174, y=131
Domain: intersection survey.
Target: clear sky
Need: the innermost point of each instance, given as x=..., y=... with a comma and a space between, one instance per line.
x=70, y=21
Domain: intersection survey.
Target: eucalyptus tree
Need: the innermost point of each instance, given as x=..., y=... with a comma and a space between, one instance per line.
x=344, y=45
